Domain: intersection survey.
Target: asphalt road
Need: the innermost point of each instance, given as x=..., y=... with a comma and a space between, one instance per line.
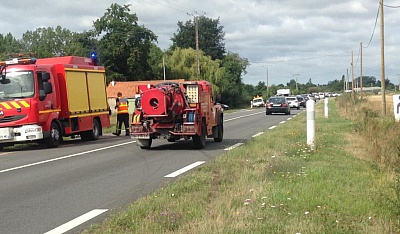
x=64, y=190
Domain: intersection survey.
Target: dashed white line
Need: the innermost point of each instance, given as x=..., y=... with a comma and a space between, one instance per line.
x=258, y=134
x=64, y=157
x=282, y=122
x=272, y=127
x=76, y=222
x=289, y=118
x=233, y=146
x=187, y=168
x=227, y=120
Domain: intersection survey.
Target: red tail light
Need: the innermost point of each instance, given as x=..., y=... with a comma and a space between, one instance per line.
x=284, y=105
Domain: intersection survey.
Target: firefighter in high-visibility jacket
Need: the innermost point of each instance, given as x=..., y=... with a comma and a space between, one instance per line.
x=122, y=115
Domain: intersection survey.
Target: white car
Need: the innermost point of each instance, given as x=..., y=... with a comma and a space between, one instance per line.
x=293, y=102
x=258, y=102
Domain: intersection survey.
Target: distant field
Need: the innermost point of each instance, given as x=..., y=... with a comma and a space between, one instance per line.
x=376, y=101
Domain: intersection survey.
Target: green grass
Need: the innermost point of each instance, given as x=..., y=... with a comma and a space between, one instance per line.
x=273, y=184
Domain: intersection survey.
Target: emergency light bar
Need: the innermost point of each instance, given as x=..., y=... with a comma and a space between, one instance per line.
x=23, y=61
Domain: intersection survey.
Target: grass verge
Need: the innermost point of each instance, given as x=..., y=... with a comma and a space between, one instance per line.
x=273, y=184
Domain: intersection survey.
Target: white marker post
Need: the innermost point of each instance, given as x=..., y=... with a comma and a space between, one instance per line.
x=311, y=124
x=326, y=107
x=396, y=107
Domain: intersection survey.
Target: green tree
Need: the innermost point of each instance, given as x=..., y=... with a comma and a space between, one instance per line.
x=8, y=45
x=182, y=64
x=155, y=61
x=211, y=37
x=232, y=84
x=46, y=42
x=124, y=46
x=81, y=44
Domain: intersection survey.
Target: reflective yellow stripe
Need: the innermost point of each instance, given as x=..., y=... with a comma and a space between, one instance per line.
x=24, y=103
x=49, y=111
x=136, y=118
x=8, y=107
x=15, y=104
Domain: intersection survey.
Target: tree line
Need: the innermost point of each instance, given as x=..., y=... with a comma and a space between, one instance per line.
x=129, y=52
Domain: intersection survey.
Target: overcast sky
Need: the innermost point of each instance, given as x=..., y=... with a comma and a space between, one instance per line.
x=308, y=39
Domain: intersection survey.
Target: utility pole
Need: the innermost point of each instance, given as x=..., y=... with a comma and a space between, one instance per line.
x=196, y=22
x=383, y=81
x=352, y=77
x=297, y=89
x=163, y=64
x=267, y=84
x=399, y=81
x=361, y=75
x=344, y=83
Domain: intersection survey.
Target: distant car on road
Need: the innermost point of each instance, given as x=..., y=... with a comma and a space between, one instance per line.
x=302, y=101
x=277, y=104
x=224, y=106
x=293, y=102
x=258, y=102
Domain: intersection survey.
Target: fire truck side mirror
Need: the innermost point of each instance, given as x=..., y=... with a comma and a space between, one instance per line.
x=47, y=87
x=4, y=80
x=45, y=76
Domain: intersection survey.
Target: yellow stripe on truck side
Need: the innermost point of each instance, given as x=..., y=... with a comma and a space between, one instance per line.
x=24, y=103
x=5, y=105
x=15, y=104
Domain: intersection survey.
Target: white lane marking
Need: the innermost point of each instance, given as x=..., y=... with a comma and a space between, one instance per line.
x=187, y=168
x=272, y=127
x=234, y=146
x=76, y=222
x=64, y=157
x=282, y=122
x=258, y=134
x=226, y=120
x=289, y=118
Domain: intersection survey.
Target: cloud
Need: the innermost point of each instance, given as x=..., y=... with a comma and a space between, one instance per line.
x=312, y=38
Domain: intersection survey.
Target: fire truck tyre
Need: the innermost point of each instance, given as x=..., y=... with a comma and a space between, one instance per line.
x=55, y=136
x=220, y=129
x=93, y=134
x=145, y=144
x=200, y=141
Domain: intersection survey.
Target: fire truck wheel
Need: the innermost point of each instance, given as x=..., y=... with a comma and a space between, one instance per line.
x=55, y=136
x=145, y=144
x=200, y=141
x=220, y=129
x=93, y=134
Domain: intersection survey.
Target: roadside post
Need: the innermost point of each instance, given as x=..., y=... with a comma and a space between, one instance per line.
x=310, y=106
x=396, y=107
x=326, y=107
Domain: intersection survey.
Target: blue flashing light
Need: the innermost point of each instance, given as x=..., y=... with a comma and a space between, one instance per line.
x=93, y=55
x=95, y=59
x=33, y=60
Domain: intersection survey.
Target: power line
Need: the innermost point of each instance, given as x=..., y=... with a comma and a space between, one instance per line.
x=169, y=6
x=358, y=56
x=180, y=5
x=373, y=31
x=391, y=6
x=309, y=58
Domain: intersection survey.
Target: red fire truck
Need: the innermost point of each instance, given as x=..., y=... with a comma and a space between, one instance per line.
x=46, y=99
x=172, y=111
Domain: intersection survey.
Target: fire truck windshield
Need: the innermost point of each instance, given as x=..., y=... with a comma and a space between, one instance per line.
x=21, y=85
